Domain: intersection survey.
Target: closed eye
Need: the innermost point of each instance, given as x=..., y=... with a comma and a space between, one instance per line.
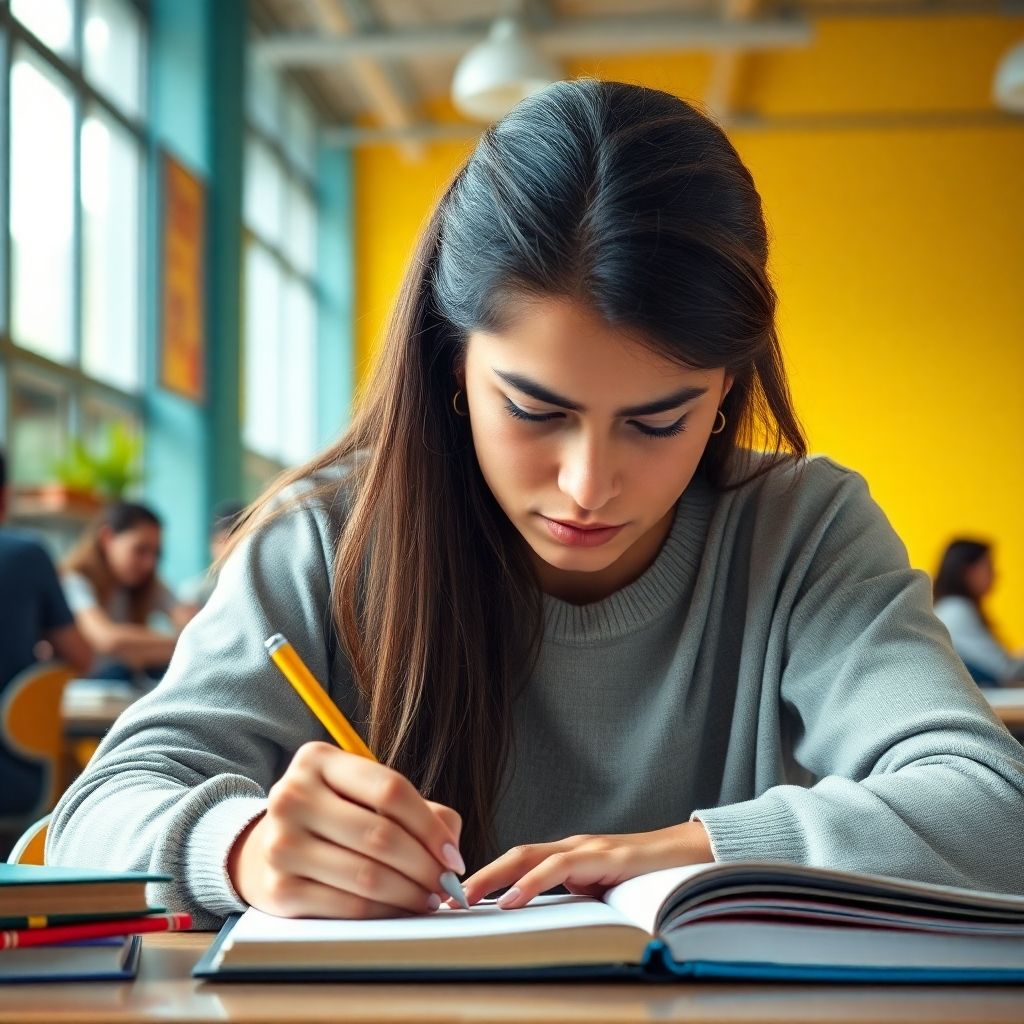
x=670, y=431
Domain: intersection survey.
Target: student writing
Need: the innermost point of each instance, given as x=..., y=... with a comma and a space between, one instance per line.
x=589, y=630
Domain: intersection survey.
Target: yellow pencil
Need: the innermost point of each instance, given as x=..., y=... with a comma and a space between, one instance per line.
x=294, y=669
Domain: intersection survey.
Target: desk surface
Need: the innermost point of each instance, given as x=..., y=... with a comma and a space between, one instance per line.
x=164, y=991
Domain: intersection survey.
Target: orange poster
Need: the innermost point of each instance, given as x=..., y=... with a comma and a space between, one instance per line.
x=183, y=352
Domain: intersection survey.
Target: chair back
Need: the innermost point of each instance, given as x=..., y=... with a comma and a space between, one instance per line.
x=30, y=848
x=31, y=727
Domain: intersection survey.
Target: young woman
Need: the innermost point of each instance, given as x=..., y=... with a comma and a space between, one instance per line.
x=588, y=631
x=966, y=574
x=112, y=588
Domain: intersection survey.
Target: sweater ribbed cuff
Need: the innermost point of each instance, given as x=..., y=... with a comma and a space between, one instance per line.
x=759, y=829
x=207, y=855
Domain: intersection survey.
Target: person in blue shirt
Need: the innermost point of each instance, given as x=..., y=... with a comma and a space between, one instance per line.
x=32, y=611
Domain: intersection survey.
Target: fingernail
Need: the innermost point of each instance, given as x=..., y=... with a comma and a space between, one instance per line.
x=453, y=858
x=508, y=898
x=433, y=901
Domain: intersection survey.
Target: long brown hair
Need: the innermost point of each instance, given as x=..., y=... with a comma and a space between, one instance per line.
x=626, y=198
x=87, y=558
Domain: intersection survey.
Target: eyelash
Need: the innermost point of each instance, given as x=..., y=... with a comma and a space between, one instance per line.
x=670, y=431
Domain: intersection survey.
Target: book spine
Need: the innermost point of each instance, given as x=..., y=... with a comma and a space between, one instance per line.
x=96, y=930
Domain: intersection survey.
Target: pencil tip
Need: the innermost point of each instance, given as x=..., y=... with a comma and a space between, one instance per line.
x=453, y=887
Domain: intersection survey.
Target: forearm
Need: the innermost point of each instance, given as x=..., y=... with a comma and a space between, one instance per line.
x=135, y=645
x=944, y=819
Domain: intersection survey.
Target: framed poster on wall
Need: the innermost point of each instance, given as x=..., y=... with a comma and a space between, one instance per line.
x=183, y=342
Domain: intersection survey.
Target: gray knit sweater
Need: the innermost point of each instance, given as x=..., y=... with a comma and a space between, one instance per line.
x=777, y=672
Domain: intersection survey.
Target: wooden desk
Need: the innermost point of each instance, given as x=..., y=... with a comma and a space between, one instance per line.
x=1008, y=704
x=164, y=991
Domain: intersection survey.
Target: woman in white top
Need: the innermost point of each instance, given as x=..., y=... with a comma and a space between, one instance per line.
x=112, y=588
x=966, y=574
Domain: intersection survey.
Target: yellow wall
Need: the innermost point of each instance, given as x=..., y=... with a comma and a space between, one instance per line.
x=898, y=256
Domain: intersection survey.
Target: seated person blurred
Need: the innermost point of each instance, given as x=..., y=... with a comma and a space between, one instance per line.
x=111, y=584
x=32, y=610
x=194, y=593
x=966, y=574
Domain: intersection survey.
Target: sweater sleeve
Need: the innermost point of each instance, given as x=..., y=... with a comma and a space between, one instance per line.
x=915, y=777
x=188, y=766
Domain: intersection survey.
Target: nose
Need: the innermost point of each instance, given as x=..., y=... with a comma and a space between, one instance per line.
x=588, y=472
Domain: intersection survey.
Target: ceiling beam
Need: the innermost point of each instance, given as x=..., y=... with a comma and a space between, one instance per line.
x=883, y=120
x=385, y=89
x=575, y=37
x=723, y=86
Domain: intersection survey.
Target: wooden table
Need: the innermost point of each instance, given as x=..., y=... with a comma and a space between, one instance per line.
x=164, y=991
x=1008, y=704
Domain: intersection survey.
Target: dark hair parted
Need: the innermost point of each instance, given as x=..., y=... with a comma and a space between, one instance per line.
x=624, y=198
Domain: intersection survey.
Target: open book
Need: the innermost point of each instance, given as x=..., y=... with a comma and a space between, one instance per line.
x=742, y=919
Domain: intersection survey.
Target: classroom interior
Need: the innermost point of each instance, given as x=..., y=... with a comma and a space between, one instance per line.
x=206, y=208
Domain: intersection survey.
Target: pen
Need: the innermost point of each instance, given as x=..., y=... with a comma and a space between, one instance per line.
x=294, y=669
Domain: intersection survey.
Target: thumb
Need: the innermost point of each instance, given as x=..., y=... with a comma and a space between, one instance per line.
x=451, y=818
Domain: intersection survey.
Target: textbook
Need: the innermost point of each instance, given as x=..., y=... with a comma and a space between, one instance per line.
x=32, y=896
x=745, y=919
x=101, y=928
x=108, y=959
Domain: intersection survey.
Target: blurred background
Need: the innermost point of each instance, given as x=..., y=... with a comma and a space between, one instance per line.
x=206, y=207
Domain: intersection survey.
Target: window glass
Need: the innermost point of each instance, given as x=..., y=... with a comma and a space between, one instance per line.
x=51, y=21
x=38, y=430
x=300, y=130
x=112, y=278
x=298, y=373
x=264, y=191
x=113, y=52
x=263, y=96
x=262, y=414
x=41, y=208
x=300, y=236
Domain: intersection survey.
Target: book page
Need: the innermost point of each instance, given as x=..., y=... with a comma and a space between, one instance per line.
x=642, y=899
x=485, y=919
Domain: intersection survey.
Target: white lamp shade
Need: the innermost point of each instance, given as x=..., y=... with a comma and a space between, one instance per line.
x=499, y=72
x=1008, y=86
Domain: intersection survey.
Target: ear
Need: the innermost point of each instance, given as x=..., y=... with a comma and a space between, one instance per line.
x=730, y=379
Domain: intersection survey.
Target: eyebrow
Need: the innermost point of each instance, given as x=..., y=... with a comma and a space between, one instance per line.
x=542, y=394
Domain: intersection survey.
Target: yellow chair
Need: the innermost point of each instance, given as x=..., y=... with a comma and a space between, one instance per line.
x=31, y=726
x=29, y=849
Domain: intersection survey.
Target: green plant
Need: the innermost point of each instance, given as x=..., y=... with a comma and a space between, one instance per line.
x=109, y=470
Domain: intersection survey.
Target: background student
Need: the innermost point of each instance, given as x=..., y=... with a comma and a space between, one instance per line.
x=588, y=630
x=966, y=574
x=111, y=584
x=194, y=593
x=32, y=609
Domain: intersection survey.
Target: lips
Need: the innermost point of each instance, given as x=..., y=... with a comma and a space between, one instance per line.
x=584, y=526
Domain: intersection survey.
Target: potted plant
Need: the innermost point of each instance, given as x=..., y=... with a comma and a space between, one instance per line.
x=87, y=478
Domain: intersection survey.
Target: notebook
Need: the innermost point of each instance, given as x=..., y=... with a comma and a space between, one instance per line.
x=111, y=959
x=32, y=896
x=751, y=919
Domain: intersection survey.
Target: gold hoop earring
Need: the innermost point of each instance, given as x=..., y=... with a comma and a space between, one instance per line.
x=719, y=427
x=455, y=404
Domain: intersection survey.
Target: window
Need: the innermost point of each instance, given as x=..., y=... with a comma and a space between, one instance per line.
x=280, y=292
x=74, y=137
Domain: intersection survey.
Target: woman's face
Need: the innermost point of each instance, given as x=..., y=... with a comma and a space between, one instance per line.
x=980, y=576
x=575, y=422
x=132, y=555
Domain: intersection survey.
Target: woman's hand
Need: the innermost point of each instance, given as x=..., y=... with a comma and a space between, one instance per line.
x=345, y=837
x=588, y=865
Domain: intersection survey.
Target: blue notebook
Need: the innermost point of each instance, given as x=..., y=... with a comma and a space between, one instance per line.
x=752, y=919
x=108, y=959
